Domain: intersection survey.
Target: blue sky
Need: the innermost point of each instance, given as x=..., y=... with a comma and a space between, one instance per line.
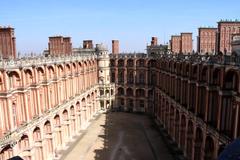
x=133, y=22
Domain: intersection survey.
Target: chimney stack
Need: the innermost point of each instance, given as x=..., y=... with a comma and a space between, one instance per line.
x=7, y=42
x=154, y=41
x=87, y=44
x=115, y=46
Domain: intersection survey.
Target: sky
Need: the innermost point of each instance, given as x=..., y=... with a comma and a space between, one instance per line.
x=132, y=22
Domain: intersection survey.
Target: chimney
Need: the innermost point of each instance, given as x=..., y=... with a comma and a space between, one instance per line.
x=87, y=44
x=115, y=46
x=7, y=43
x=154, y=41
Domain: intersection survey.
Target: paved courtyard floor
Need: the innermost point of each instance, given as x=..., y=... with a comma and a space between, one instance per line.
x=119, y=136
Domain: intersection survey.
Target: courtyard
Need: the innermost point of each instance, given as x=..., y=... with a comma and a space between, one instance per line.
x=118, y=136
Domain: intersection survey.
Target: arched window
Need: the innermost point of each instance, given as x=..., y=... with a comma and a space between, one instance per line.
x=140, y=93
x=141, y=78
x=120, y=76
x=129, y=92
x=121, y=63
x=130, y=63
x=120, y=91
x=130, y=78
x=140, y=63
x=101, y=92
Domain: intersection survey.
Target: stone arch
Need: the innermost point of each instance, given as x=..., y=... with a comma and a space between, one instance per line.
x=37, y=138
x=6, y=153
x=172, y=122
x=129, y=92
x=47, y=130
x=107, y=92
x=84, y=110
x=228, y=111
x=209, y=148
x=204, y=74
x=57, y=125
x=216, y=76
x=112, y=91
x=190, y=132
x=140, y=93
x=80, y=65
x=130, y=63
x=72, y=119
x=60, y=70
x=141, y=77
x=121, y=76
x=14, y=79
x=37, y=134
x=231, y=80
x=120, y=63
x=120, y=91
x=140, y=63
x=41, y=74
x=24, y=143
x=28, y=76
x=150, y=94
x=130, y=77
x=198, y=144
x=74, y=66
x=130, y=104
x=78, y=107
x=152, y=63
x=177, y=126
x=51, y=72
x=101, y=92
x=194, y=72
x=68, y=68
x=112, y=63
x=183, y=132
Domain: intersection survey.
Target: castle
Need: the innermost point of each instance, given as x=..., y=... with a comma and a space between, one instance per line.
x=46, y=100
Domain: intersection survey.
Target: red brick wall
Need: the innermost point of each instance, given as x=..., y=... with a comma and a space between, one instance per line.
x=225, y=32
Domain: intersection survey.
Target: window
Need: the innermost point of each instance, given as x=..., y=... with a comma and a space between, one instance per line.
x=130, y=78
x=120, y=77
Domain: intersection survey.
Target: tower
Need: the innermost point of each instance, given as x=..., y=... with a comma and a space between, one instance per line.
x=106, y=88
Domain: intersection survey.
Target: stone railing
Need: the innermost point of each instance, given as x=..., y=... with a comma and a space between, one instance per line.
x=41, y=60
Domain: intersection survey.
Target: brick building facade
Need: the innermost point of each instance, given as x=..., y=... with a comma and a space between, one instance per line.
x=226, y=29
x=206, y=42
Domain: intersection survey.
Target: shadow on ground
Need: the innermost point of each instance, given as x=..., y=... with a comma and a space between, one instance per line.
x=128, y=136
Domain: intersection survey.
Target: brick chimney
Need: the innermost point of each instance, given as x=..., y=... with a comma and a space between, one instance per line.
x=7, y=42
x=87, y=44
x=115, y=46
x=154, y=41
